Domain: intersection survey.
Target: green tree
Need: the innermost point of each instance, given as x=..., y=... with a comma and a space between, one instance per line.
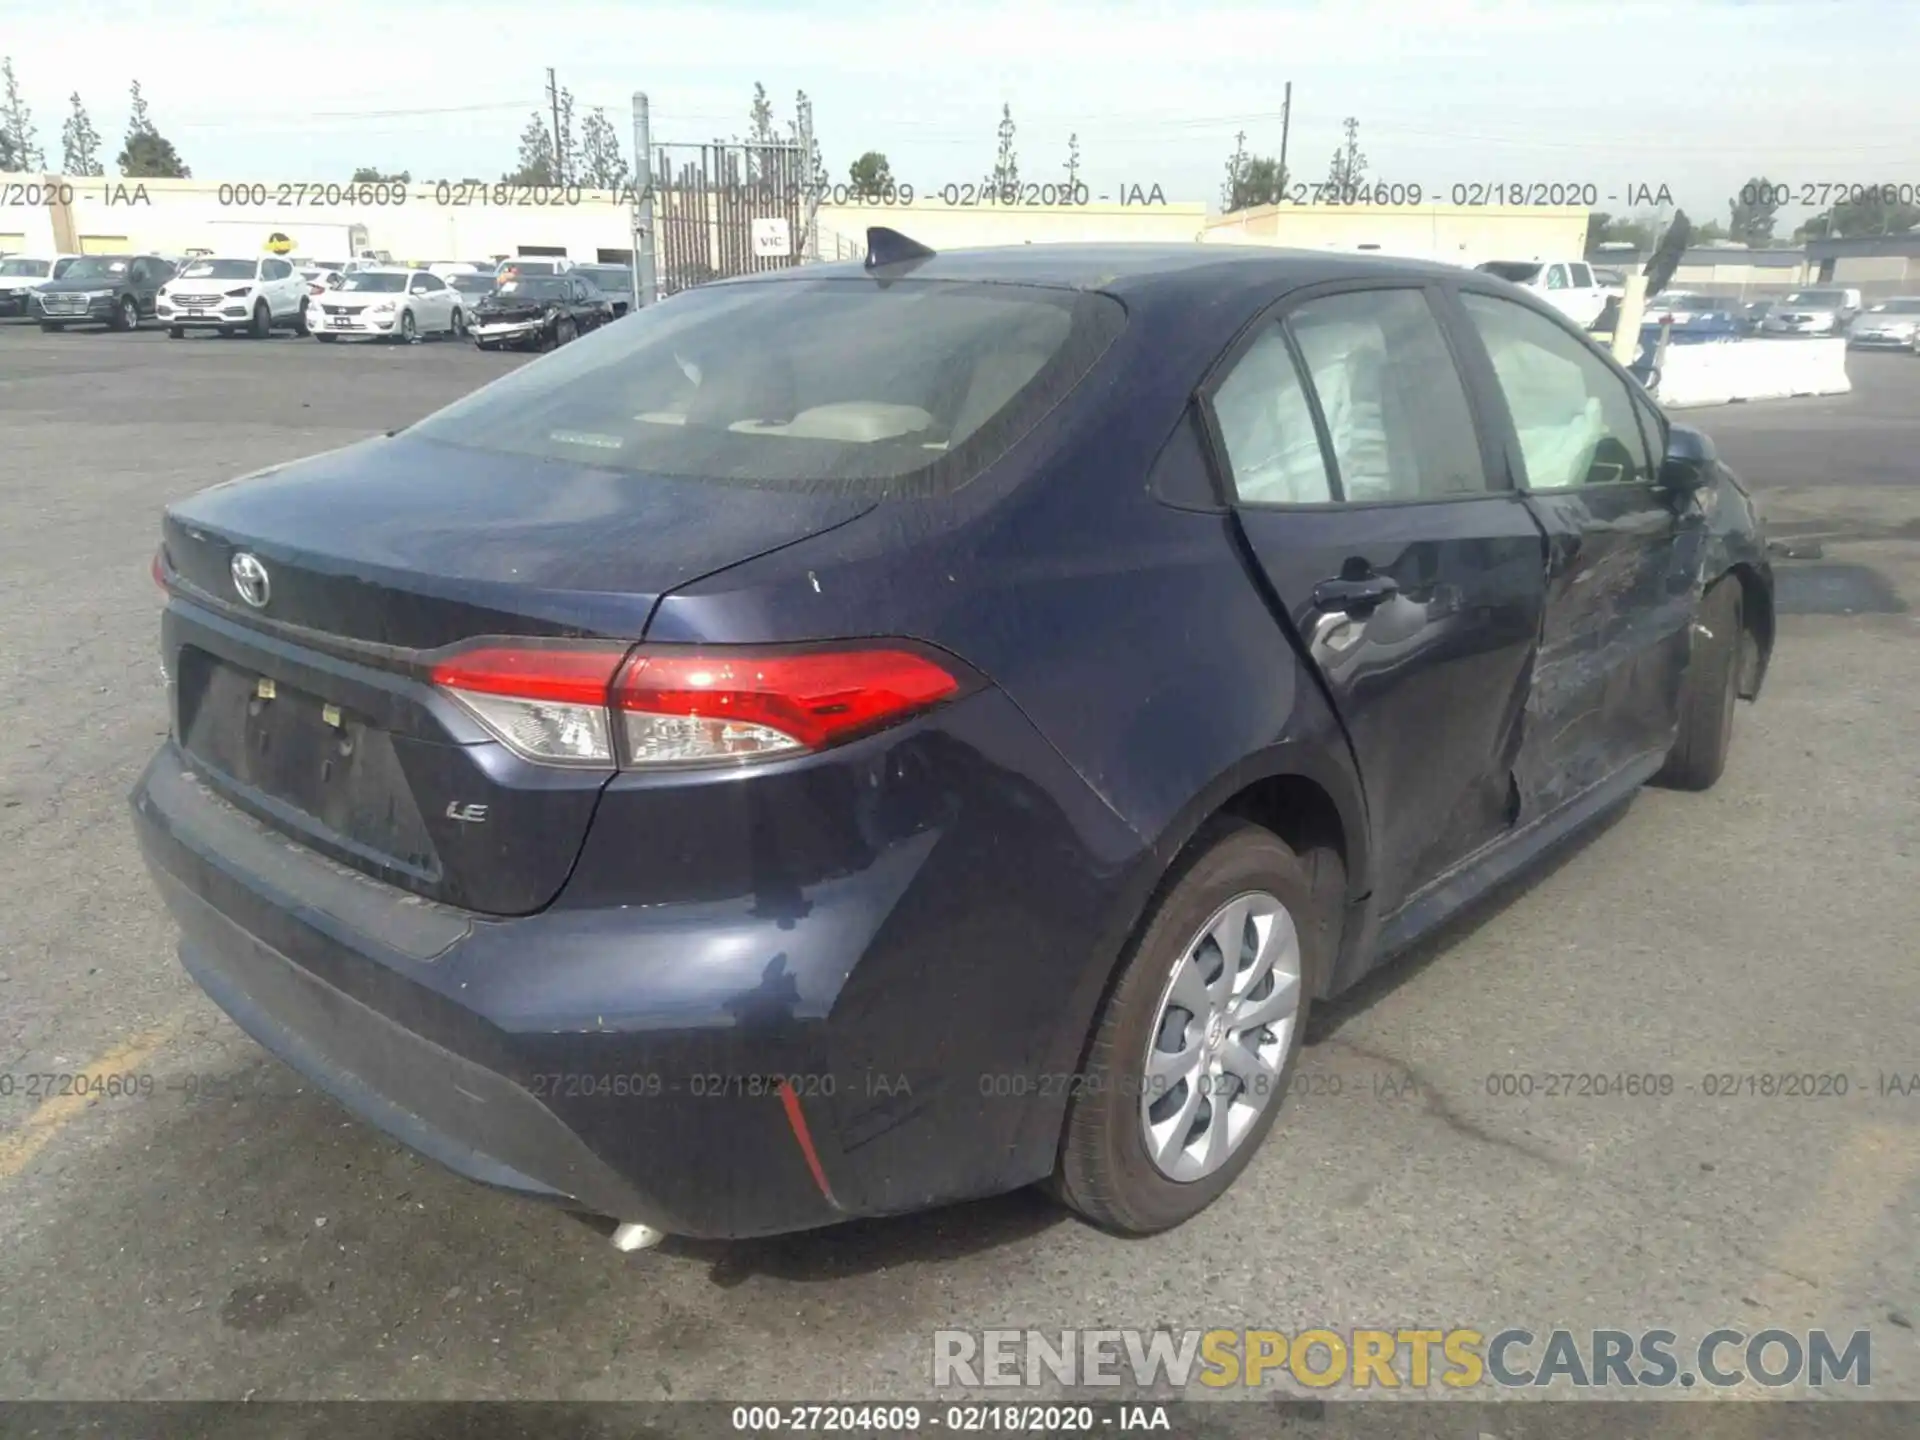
x=1751, y=213
x=1251, y=179
x=1349, y=168
x=370, y=175
x=21, y=147
x=814, y=166
x=148, y=154
x=603, y=164
x=79, y=142
x=1006, y=166
x=536, y=155
x=1871, y=214
x=1605, y=228
x=870, y=174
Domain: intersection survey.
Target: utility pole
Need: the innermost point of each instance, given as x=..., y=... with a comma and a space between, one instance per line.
x=1286, y=123
x=644, y=285
x=559, y=155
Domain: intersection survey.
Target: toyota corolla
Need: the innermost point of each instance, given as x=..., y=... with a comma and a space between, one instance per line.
x=860, y=737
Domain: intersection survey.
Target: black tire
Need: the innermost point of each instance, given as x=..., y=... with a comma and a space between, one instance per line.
x=564, y=331
x=261, y=325
x=126, y=314
x=52, y=325
x=1104, y=1171
x=326, y=339
x=227, y=332
x=300, y=326
x=459, y=328
x=1709, y=692
x=176, y=332
x=409, y=328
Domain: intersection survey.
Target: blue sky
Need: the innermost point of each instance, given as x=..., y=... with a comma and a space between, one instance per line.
x=1695, y=96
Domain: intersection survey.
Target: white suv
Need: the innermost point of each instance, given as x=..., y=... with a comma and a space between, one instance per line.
x=1570, y=286
x=21, y=275
x=231, y=294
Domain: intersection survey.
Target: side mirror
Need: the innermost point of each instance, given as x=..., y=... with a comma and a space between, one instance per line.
x=1687, y=467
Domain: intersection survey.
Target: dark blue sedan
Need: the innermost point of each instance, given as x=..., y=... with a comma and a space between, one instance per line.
x=855, y=738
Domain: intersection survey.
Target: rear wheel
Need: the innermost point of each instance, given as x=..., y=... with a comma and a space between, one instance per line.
x=1196, y=1044
x=51, y=325
x=459, y=326
x=176, y=332
x=300, y=320
x=1709, y=692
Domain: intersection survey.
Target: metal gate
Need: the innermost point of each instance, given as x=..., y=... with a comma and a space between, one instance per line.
x=707, y=198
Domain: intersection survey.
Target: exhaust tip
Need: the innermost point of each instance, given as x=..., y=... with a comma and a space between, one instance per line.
x=631, y=1235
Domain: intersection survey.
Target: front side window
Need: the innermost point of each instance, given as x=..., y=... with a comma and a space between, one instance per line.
x=1395, y=408
x=798, y=384
x=1574, y=416
x=1556, y=277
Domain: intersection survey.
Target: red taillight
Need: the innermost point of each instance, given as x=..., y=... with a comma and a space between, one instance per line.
x=562, y=704
x=713, y=705
x=160, y=567
x=575, y=675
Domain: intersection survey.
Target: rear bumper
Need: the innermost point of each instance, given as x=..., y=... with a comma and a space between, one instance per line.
x=888, y=1034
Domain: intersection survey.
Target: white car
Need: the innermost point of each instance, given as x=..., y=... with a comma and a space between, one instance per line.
x=1894, y=321
x=233, y=293
x=20, y=275
x=1813, y=312
x=1568, y=285
x=389, y=303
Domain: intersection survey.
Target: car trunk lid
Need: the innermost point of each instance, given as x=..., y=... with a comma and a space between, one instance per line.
x=313, y=710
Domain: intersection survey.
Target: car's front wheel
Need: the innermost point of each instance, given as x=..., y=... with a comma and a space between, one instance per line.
x=261, y=326
x=176, y=332
x=52, y=325
x=409, y=331
x=1709, y=692
x=1195, y=1046
x=126, y=315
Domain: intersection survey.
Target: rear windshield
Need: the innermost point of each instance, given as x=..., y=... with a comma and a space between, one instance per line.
x=217, y=270
x=827, y=385
x=1520, y=272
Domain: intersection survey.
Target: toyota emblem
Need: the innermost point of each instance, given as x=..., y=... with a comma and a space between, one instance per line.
x=250, y=579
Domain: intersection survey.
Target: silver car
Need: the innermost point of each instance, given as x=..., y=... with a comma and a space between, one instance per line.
x=1812, y=312
x=1893, y=323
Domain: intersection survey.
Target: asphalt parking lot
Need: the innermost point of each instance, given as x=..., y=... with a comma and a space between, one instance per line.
x=231, y=1234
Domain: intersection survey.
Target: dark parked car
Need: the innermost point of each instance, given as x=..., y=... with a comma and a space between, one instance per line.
x=855, y=739
x=117, y=291
x=613, y=281
x=542, y=311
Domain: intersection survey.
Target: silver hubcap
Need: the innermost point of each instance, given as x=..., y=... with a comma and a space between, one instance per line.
x=1223, y=1029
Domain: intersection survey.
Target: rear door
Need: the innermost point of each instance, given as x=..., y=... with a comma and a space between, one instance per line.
x=1622, y=558
x=1374, y=508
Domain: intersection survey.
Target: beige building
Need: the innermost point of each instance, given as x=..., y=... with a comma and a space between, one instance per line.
x=1456, y=234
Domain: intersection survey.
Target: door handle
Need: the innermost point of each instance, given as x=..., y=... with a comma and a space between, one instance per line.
x=1357, y=596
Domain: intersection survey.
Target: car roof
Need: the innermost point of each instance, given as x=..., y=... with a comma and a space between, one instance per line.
x=1125, y=269
x=243, y=259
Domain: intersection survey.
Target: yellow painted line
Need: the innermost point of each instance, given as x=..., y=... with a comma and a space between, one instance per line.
x=1864, y=1182
x=18, y=1146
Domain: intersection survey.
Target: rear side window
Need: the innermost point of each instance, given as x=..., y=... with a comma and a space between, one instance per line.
x=1266, y=428
x=834, y=384
x=1574, y=416
x=1395, y=410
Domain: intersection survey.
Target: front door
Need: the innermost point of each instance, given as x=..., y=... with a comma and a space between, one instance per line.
x=1372, y=504
x=1623, y=558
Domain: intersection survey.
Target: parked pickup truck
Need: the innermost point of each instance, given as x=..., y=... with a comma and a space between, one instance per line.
x=1570, y=286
